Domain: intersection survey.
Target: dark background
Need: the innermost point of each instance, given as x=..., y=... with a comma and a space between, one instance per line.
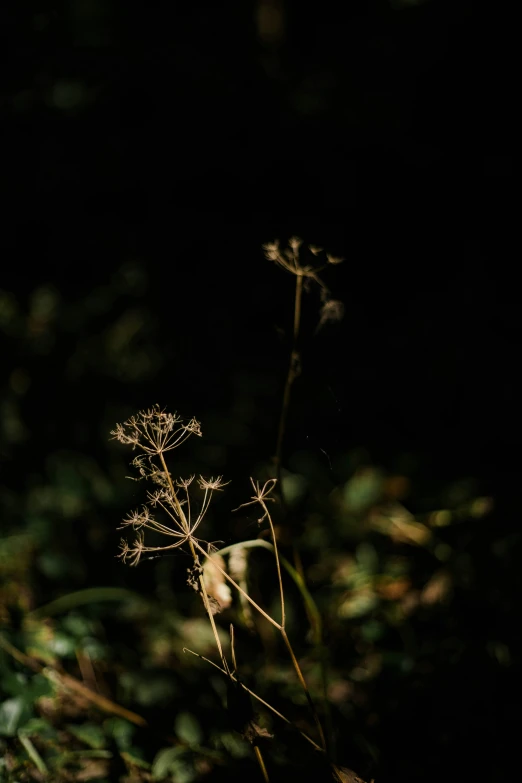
x=148, y=153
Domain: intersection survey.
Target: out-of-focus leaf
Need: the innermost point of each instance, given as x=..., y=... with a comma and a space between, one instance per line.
x=234, y=745
x=12, y=714
x=121, y=730
x=362, y=490
x=294, y=488
x=165, y=762
x=188, y=729
x=148, y=688
x=392, y=589
x=396, y=522
x=33, y=753
x=90, y=734
x=40, y=727
x=358, y=604
x=437, y=589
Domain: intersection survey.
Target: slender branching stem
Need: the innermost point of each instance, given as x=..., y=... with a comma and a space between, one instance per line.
x=304, y=686
x=286, y=640
x=293, y=371
x=311, y=608
x=256, y=697
x=278, y=565
x=179, y=510
x=201, y=578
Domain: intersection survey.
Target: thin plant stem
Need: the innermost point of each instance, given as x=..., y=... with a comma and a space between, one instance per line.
x=278, y=565
x=280, y=627
x=304, y=687
x=311, y=609
x=171, y=485
x=257, y=698
x=201, y=578
x=206, y=604
x=260, y=761
x=284, y=635
x=293, y=371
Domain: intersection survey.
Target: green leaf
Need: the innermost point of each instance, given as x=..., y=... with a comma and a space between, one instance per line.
x=40, y=727
x=134, y=757
x=14, y=683
x=39, y=686
x=358, y=604
x=90, y=734
x=12, y=712
x=165, y=762
x=121, y=730
x=294, y=488
x=234, y=745
x=77, y=626
x=188, y=729
x=362, y=490
x=33, y=754
x=148, y=688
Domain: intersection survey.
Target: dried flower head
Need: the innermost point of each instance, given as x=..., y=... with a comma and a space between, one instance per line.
x=261, y=496
x=155, y=431
x=334, y=259
x=132, y=554
x=331, y=311
x=212, y=484
x=137, y=519
x=307, y=273
x=290, y=259
x=181, y=520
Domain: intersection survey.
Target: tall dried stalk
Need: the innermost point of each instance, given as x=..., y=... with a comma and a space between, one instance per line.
x=155, y=432
x=290, y=260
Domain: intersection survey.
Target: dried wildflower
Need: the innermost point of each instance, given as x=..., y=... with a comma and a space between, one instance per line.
x=295, y=243
x=290, y=259
x=334, y=259
x=137, y=519
x=132, y=554
x=212, y=484
x=261, y=495
x=331, y=311
x=155, y=431
x=182, y=523
x=185, y=483
x=271, y=250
